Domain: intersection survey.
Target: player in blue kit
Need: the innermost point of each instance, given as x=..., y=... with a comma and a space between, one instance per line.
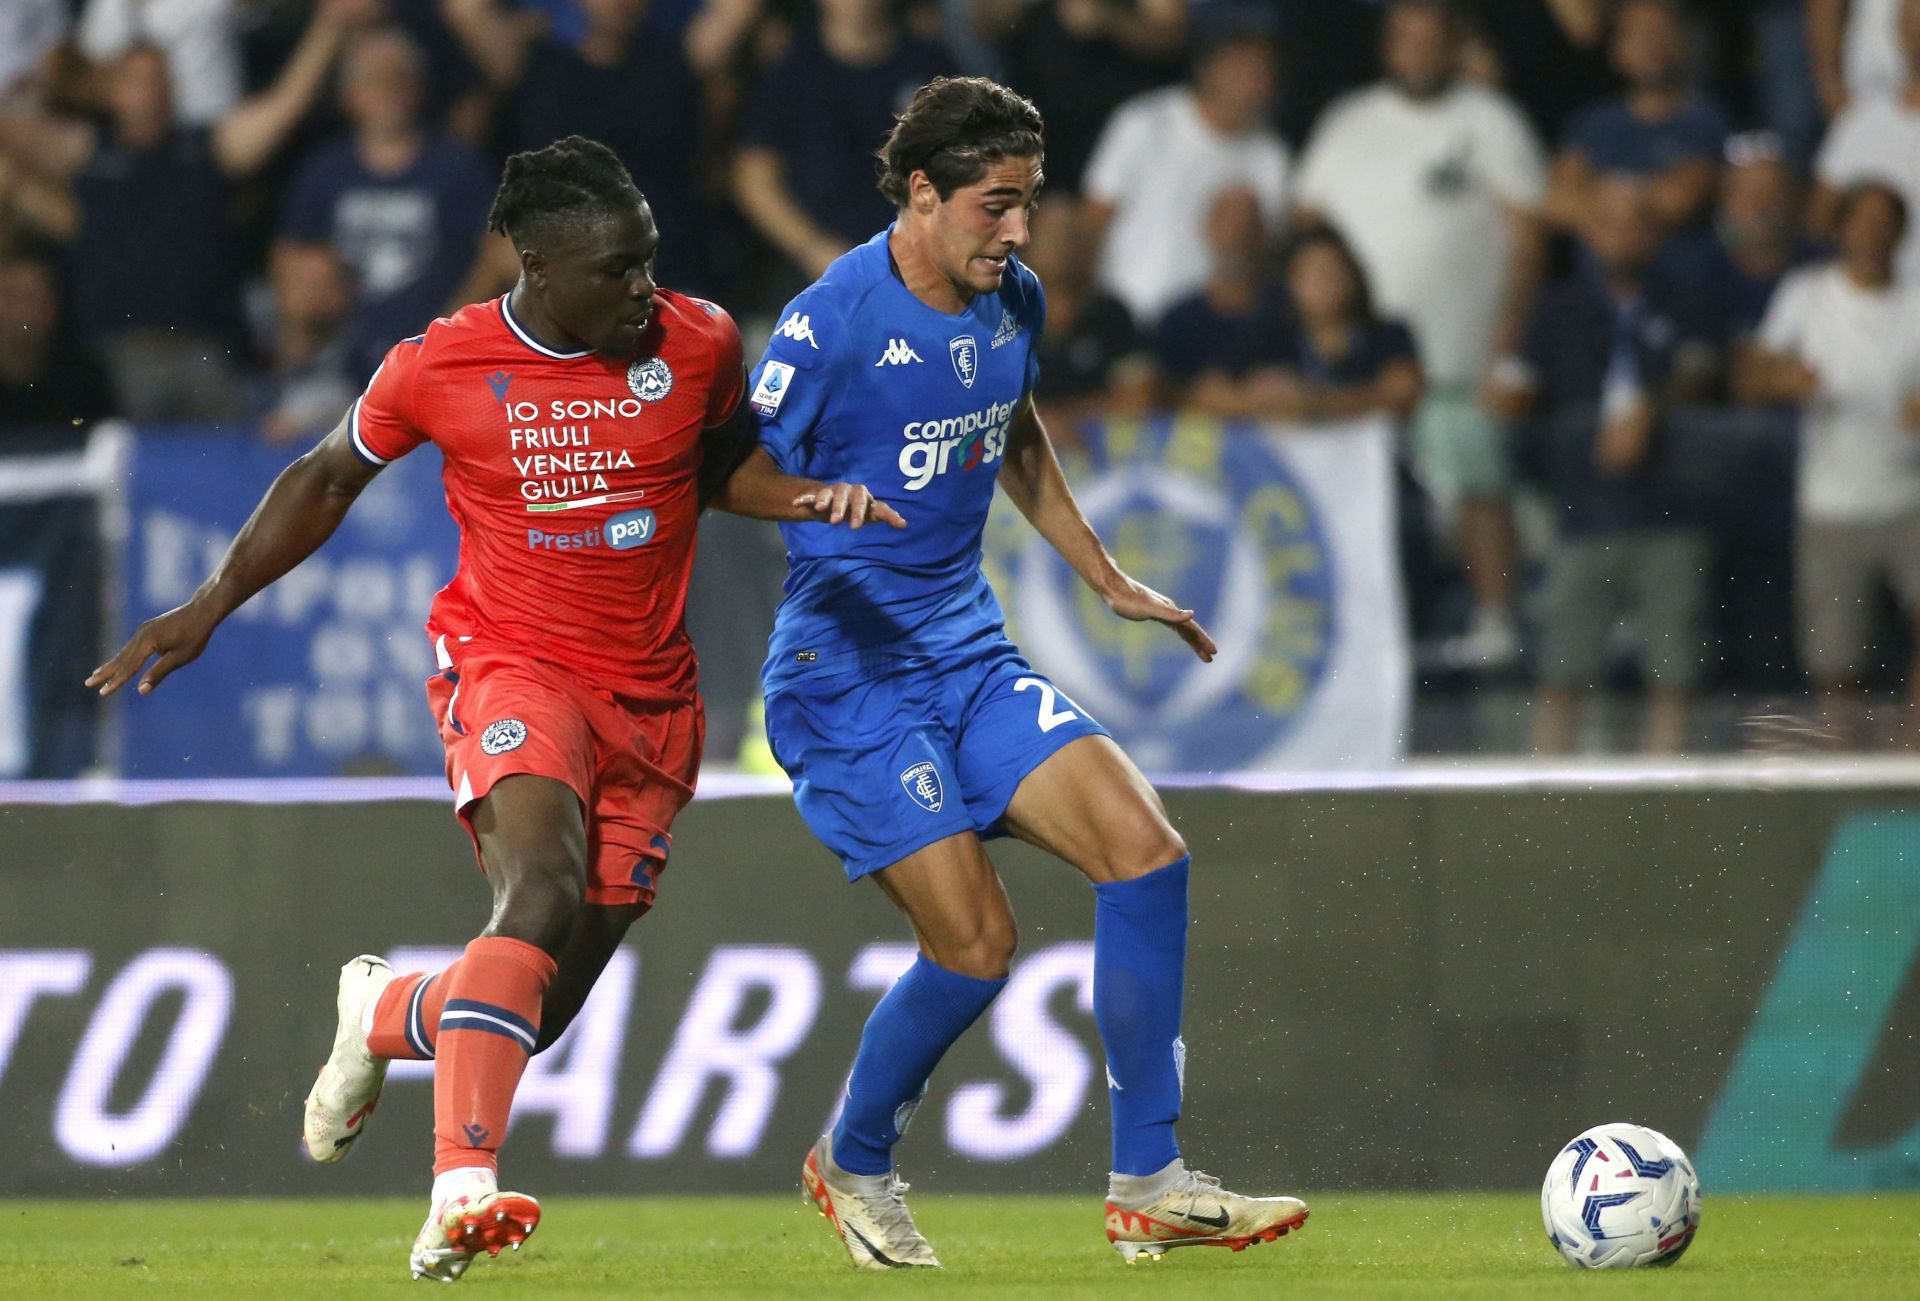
x=911, y=726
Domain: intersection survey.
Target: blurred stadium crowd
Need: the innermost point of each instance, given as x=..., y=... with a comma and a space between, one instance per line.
x=1631, y=275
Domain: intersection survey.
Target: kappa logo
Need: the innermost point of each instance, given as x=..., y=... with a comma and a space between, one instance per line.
x=898, y=353
x=650, y=380
x=1006, y=332
x=966, y=358
x=799, y=328
x=507, y=734
x=498, y=382
x=771, y=391
x=922, y=783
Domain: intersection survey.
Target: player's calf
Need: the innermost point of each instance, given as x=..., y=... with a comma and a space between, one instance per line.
x=1152, y=1214
x=349, y=1084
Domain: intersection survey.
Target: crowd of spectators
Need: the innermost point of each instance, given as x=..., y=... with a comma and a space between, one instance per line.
x=1532, y=233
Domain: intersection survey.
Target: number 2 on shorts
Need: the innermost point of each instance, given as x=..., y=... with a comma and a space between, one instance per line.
x=1050, y=717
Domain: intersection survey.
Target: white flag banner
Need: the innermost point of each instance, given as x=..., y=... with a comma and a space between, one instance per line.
x=1282, y=539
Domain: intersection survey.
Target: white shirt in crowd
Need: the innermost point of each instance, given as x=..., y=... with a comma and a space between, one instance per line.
x=1418, y=187
x=1878, y=140
x=28, y=29
x=1160, y=165
x=197, y=36
x=1858, y=462
x=1871, y=64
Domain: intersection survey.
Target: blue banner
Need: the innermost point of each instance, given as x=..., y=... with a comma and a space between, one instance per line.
x=1281, y=539
x=320, y=674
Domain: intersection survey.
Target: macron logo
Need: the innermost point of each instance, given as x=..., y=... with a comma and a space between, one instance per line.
x=897, y=354
x=798, y=327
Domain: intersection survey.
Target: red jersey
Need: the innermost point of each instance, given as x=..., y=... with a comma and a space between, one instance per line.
x=572, y=476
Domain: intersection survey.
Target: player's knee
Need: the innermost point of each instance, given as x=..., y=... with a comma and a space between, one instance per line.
x=538, y=896
x=985, y=954
x=1146, y=844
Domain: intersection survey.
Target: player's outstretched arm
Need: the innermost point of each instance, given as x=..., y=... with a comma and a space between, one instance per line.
x=1032, y=477
x=300, y=511
x=760, y=489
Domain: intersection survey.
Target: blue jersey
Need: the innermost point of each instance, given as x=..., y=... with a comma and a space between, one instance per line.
x=864, y=383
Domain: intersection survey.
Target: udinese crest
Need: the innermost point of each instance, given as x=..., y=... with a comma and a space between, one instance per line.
x=650, y=380
x=922, y=782
x=507, y=734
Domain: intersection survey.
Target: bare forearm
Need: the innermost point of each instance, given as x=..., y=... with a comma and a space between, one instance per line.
x=248, y=136
x=1350, y=402
x=1526, y=263
x=760, y=188
x=495, y=39
x=299, y=513
x=760, y=489
x=1826, y=36
x=719, y=29
x=1760, y=376
x=1035, y=483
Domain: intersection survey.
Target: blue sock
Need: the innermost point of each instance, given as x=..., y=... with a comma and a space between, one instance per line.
x=1139, y=977
x=907, y=1035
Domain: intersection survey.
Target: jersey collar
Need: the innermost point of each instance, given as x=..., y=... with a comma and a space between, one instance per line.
x=520, y=333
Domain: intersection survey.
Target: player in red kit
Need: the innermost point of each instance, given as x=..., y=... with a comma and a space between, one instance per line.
x=580, y=417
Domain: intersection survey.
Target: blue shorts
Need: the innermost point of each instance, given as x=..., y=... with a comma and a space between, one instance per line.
x=883, y=767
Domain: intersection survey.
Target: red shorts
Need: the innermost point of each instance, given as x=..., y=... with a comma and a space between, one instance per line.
x=632, y=763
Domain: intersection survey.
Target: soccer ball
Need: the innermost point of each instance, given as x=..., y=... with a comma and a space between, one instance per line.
x=1619, y=1196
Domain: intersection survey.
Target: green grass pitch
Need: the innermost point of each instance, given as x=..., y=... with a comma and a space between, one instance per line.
x=1431, y=1245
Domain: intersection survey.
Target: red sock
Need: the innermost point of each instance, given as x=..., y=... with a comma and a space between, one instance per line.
x=406, y=1019
x=488, y=1028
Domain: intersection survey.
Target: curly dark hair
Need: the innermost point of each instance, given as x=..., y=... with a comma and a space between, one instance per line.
x=571, y=178
x=954, y=130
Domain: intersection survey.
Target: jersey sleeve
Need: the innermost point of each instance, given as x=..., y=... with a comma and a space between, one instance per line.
x=794, y=382
x=1785, y=327
x=729, y=366
x=384, y=422
x=1510, y=160
x=1846, y=154
x=1115, y=161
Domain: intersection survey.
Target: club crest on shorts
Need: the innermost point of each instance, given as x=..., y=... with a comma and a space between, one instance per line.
x=922, y=782
x=650, y=380
x=507, y=734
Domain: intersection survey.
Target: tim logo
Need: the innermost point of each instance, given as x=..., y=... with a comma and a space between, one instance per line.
x=632, y=529
x=966, y=358
x=922, y=782
x=498, y=382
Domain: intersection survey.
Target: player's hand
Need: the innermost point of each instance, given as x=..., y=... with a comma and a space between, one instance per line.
x=177, y=637
x=851, y=503
x=1137, y=601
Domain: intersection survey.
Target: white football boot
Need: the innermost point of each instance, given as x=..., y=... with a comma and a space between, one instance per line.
x=469, y=1216
x=869, y=1212
x=349, y=1085
x=1152, y=1214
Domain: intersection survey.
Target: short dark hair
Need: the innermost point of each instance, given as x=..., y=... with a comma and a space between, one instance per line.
x=569, y=179
x=1322, y=235
x=1872, y=189
x=954, y=130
